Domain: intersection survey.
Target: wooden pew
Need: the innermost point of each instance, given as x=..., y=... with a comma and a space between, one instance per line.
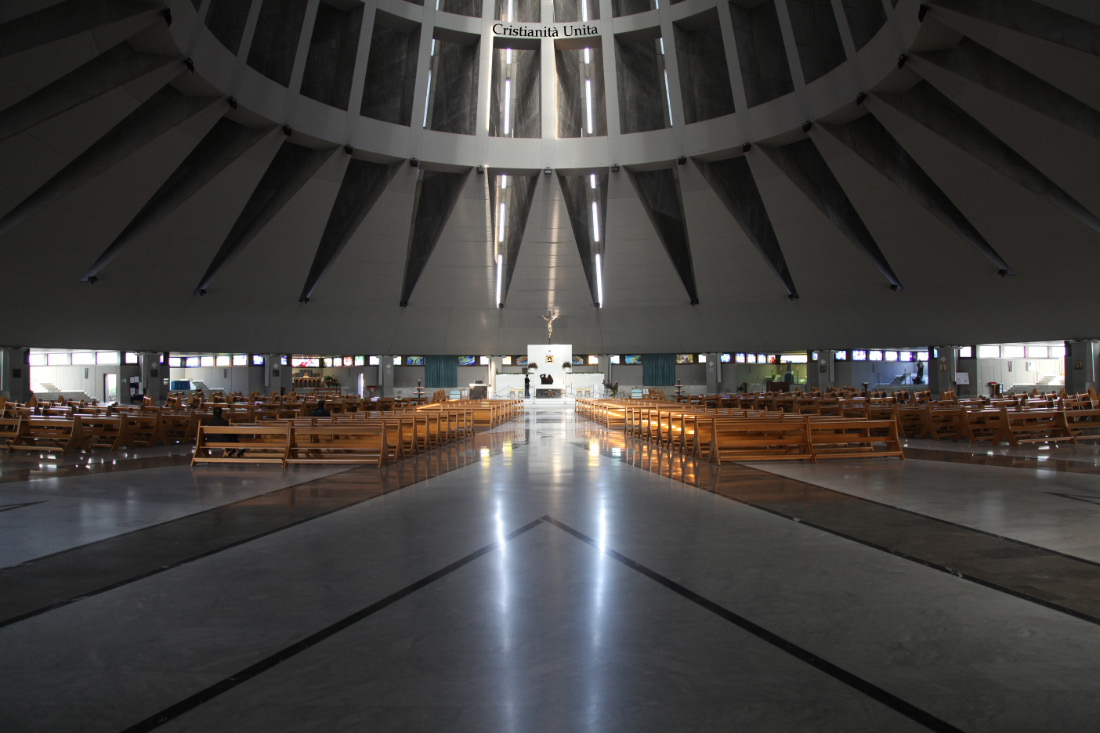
x=734, y=439
x=1084, y=423
x=268, y=443
x=361, y=442
x=103, y=432
x=48, y=434
x=141, y=430
x=9, y=428
x=1035, y=426
x=854, y=439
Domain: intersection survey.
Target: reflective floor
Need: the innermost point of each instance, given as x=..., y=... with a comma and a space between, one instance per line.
x=552, y=576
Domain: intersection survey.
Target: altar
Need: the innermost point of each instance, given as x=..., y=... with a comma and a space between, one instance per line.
x=546, y=367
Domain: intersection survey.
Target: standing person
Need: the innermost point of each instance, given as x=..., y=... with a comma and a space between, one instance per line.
x=788, y=376
x=527, y=385
x=920, y=372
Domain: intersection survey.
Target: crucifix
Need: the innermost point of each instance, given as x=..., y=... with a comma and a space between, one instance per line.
x=550, y=317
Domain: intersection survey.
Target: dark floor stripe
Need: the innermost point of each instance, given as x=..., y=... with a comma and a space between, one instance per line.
x=9, y=507
x=1054, y=580
x=286, y=653
x=858, y=683
x=1043, y=463
x=56, y=580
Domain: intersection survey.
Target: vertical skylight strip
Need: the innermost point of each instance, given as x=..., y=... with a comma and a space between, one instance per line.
x=507, y=55
x=599, y=282
x=503, y=182
x=427, y=98
x=500, y=278
x=584, y=10
x=592, y=181
x=510, y=4
x=500, y=223
x=588, y=102
x=508, y=105
x=587, y=55
x=595, y=222
x=668, y=98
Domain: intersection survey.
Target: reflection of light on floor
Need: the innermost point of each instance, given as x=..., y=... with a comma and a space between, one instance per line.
x=484, y=452
x=616, y=452
x=507, y=448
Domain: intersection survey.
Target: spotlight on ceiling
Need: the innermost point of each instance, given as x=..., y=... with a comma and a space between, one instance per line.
x=614, y=167
x=806, y=126
x=547, y=171
x=923, y=11
x=902, y=59
x=746, y=147
x=682, y=160
x=349, y=149
x=189, y=63
x=414, y=162
x=232, y=102
x=288, y=130
x=861, y=98
x=481, y=169
x=93, y=280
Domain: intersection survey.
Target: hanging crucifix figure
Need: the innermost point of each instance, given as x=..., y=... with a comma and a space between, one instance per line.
x=550, y=317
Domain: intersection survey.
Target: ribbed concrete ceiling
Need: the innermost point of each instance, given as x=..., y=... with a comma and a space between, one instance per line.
x=143, y=208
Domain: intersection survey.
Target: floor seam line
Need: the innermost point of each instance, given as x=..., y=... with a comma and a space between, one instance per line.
x=769, y=637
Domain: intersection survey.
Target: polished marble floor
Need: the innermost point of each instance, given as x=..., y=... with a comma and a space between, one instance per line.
x=550, y=575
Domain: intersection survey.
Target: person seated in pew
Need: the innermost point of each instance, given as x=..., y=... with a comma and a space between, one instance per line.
x=321, y=411
x=218, y=421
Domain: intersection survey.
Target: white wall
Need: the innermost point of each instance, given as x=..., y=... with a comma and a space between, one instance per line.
x=88, y=379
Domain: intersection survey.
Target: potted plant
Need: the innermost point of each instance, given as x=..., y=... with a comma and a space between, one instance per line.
x=612, y=388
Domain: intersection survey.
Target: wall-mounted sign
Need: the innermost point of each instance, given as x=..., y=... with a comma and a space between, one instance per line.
x=530, y=30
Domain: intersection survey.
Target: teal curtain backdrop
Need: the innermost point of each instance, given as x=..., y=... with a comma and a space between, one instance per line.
x=658, y=370
x=440, y=371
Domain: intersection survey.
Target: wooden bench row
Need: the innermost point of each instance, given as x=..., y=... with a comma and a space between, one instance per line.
x=746, y=435
x=366, y=442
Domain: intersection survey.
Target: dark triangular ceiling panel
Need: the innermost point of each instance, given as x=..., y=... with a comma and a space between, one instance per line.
x=1034, y=19
x=871, y=141
x=119, y=65
x=578, y=193
x=437, y=193
x=160, y=113
x=363, y=183
x=659, y=192
x=291, y=167
x=985, y=68
x=225, y=143
x=930, y=108
x=517, y=197
x=68, y=19
x=803, y=165
x=732, y=181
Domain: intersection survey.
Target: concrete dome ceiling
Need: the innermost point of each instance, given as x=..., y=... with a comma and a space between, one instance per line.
x=252, y=175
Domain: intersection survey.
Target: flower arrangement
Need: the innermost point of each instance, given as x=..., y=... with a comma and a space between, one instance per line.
x=612, y=388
